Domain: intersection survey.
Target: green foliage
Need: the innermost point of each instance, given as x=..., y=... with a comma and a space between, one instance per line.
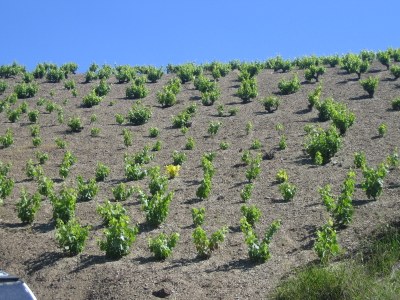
x=248, y=90
x=204, y=245
x=246, y=157
x=203, y=191
x=119, y=119
x=55, y=75
x=156, y=207
x=384, y=58
x=71, y=236
x=167, y=97
x=208, y=98
x=251, y=213
x=224, y=145
x=326, y=142
x=270, y=103
x=187, y=72
x=28, y=206
x=342, y=118
x=64, y=204
x=183, y=118
x=258, y=249
x=42, y=157
x=254, y=169
x=382, y=129
x=109, y=211
x=95, y=131
x=3, y=86
x=91, y=99
x=158, y=183
x=373, y=181
x=256, y=145
x=102, y=89
x=121, y=192
x=28, y=77
x=282, y=176
x=154, y=74
x=287, y=190
x=86, y=190
x=313, y=72
x=157, y=146
x=8, y=139
x=119, y=237
x=178, y=157
x=102, y=172
x=396, y=103
x=32, y=171
x=246, y=192
x=395, y=70
x=70, y=84
x=249, y=127
x=6, y=184
x=36, y=141
x=190, y=143
x=282, y=142
x=332, y=60
x=134, y=171
x=393, y=159
x=326, y=245
x=33, y=116
x=75, y=124
x=289, y=86
x=60, y=143
x=90, y=76
x=213, y=128
x=45, y=186
x=370, y=85
x=162, y=245
x=360, y=160
x=341, y=207
x=139, y=114
x=198, y=215
x=233, y=111
x=124, y=73
x=137, y=90
x=352, y=63
x=13, y=115
x=39, y=71
x=7, y=71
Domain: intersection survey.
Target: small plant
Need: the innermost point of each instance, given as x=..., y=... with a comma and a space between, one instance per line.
x=258, y=249
x=93, y=118
x=33, y=116
x=71, y=236
x=213, y=128
x=270, y=103
x=45, y=186
x=204, y=245
x=251, y=213
x=382, y=129
x=282, y=142
x=396, y=103
x=8, y=139
x=139, y=114
x=121, y=192
x=32, y=171
x=154, y=132
x=158, y=183
x=326, y=245
x=134, y=171
x=246, y=192
x=95, y=131
x=75, y=124
x=198, y=215
x=60, y=143
x=119, y=237
x=42, y=157
x=28, y=206
x=167, y=97
x=137, y=90
x=163, y=244
x=256, y=145
x=13, y=115
x=384, y=58
x=233, y=111
x=190, y=143
x=249, y=127
x=102, y=172
x=91, y=99
x=279, y=128
x=119, y=119
x=178, y=158
x=224, y=145
x=36, y=141
x=360, y=160
x=156, y=207
x=6, y=184
x=102, y=89
x=26, y=90
x=128, y=137
x=154, y=74
x=157, y=146
x=313, y=72
x=281, y=176
x=220, y=110
x=314, y=97
x=204, y=190
x=248, y=89
x=395, y=70
x=109, y=211
x=369, y=85
x=288, y=191
x=289, y=86
x=3, y=86
x=86, y=190
x=254, y=169
x=70, y=84
x=172, y=170
x=373, y=181
x=393, y=159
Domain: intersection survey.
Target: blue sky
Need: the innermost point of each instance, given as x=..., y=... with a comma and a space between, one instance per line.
x=159, y=32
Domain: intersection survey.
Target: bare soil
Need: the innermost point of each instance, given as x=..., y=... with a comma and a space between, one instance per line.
x=31, y=252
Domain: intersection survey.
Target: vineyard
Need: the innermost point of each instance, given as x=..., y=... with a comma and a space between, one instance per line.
x=216, y=180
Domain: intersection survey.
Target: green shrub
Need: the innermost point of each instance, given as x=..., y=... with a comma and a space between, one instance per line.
x=342, y=118
x=190, y=143
x=13, y=115
x=395, y=70
x=313, y=72
x=28, y=78
x=382, y=129
x=71, y=236
x=102, y=172
x=208, y=98
x=204, y=245
x=167, y=97
x=64, y=204
x=109, y=211
x=33, y=116
x=396, y=103
x=137, y=90
x=213, y=128
x=288, y=191
x=139, y=114
x=55, y=75
x=332, y=60
x=32, y=171
x=359, y=160
x=178, y=157
x=157, y=146
x=246, y=192
x=373, y=181
x=60, y=143
x=70, y=84
x=119, y=119
x=186, y=72
x=95, y=131
x=366, y=55
x=393, y=159
x=248, y=89
x=369, y=85
x=256, y=145
x=8, y=139
x=258, y=249
x=198, y=215
x=281, y=176
x=282, y=142
x=91, y=99
x=28, y=206
x=352, y=63
x=270, y=103
x=42, y=157
x=6, y=186
x=26, y=90
x=124, y=73
x=90, y=76
x=163, y=244
x=156, y=207
x=86, y=190
x=134, y=171
x=119, y=237
x=224, y=145
x=251, y=213
x=384, y=58
x=154, y=74
x=181, y=120
x=7, y=71
x=121, y=192
x=325, y=109
x=203, y=191
x=36, y=141
x=254, y=169
x=45, y=186
x=105, y=72
x=326, y=245
x=102, y=89
x=3, y=86
x=326, y=142
x=158, y=183
x=289, y=86
x=39, y=71
x=75, y=124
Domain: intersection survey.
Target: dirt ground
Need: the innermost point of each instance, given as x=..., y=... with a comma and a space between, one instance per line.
x=32, y=253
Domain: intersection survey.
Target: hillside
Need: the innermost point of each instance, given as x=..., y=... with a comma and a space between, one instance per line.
x=32, y=252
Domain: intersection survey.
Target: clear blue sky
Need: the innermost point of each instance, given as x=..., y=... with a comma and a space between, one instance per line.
x=159, y=32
